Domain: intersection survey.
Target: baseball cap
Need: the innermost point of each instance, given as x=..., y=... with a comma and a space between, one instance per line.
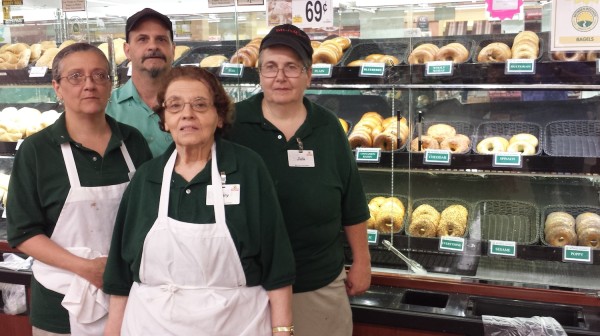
x=145, y=13
x=290, y=36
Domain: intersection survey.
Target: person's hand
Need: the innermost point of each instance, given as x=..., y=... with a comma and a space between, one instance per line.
x=359, y=278
x=93, y=270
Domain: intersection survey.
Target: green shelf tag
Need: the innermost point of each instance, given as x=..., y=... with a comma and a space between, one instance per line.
x=372, y=70
x=372, y=236
x=520, y=66
x=454, y=244
x=232, y=70
x=368, y=154
x=437, y=156
x=507, y=160
x=439, y=68
x=321, y=71
x=581, y=254
x=503, y=248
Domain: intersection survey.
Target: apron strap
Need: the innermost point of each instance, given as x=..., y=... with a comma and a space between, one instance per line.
x=65, y=147
x=217, y=188
x=127, y=158
x=163, y=205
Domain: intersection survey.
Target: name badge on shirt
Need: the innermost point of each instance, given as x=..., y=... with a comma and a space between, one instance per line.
x=304, y=158
x=231, y=194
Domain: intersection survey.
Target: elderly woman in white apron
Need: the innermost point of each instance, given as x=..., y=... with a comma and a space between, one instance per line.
x=199, y=246
x=66, y=185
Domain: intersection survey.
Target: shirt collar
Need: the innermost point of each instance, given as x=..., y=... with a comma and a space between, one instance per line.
x=226, y=160
x=60, y=134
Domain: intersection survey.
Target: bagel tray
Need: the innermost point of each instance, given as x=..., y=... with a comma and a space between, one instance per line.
x=572, y=138
x=572, y=209
x=439, y=204
x=440, y=42
x=461, y=127
x=505, y=220
x=196, y=54
x=402, y=199
x=384, y=47
x=506, y=129
x=507, y=39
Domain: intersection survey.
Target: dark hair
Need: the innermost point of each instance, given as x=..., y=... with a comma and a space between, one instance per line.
x=221, y=100
x=72, y=49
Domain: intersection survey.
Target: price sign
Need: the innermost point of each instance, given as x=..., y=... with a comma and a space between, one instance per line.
x=312, y=13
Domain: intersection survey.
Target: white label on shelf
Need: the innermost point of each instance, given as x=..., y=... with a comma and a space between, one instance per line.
x=582, y=254
x=321, y=70
x=519, y=66
x=439, y=68
x=19, y=142
x=129, y=71
x=437, y=156
x=372, y=70
x=598, y=66
x=502, y=248
x=454, y=244
x=368, y=154
x=372, y=236
x=308, y=13
x=38, y=71
x=507, y=160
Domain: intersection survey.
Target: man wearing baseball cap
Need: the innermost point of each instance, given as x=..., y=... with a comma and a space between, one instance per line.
x=317, y=181
x=150, y=49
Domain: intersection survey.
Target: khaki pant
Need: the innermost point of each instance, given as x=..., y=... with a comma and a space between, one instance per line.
x=40, y=332
x=323, y=312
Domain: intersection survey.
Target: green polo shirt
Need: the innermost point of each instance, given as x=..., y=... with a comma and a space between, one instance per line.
x=256, y=223
x=126, y=106
x=317, y=201
x=39, y=185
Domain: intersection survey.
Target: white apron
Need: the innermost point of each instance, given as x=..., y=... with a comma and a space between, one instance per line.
x=191, y=278
x=84, y=228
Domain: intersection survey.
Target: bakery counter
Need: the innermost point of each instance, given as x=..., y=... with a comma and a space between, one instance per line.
x=451, y=307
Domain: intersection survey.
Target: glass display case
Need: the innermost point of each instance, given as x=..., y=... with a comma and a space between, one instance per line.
x=498, y=255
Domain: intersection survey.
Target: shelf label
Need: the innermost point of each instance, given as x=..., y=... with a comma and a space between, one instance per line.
x=437, y=156
x=503, y=248
x=598, y=66
x=507, y=160
x=368, y=154
x=439, y=68
x=372, y=236
x=581, y=254
x=19, y=142
x=321, y=70
x=372, y=70
x=232, y=70
x=454, y=244
x=520, y=66
x=38, y=71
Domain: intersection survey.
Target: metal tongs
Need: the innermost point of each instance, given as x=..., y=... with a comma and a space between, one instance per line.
x=412, y=265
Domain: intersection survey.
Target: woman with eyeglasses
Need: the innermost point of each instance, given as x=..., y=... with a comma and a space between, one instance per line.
x=66, y=184
x=316, y=179
x=199, y=246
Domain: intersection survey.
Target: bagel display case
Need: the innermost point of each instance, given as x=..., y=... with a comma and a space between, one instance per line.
x=492, y=254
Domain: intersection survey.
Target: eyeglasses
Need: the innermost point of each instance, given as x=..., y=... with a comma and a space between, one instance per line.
x=289, y=70
x=77, y=78
x=176, y=105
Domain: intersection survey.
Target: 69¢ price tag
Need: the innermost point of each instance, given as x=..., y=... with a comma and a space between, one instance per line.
x=312, y=13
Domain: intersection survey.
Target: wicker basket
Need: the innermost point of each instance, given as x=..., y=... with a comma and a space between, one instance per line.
x=461, y=127
x=440, y=204
x=404, y=201
x=571, y=209
x=505, y=220
x=572, y=138
x=507, y=129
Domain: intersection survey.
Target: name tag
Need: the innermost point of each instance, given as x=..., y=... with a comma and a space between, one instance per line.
x=231, y=194
x=303, y=158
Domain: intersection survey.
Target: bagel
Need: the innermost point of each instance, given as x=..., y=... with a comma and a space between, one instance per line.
x=455, y=52
x=391, y=216
x=458, y=143
x=372, y=114
x=453, y=221
x=47, y=58
x=243, y=56
x=360, y=138
x=558, y=218
x=527, y=35
x=213, y=61
x=423, y=226
x=523, y=147
x=589, y=237
x=426, y=210
x=378, y=200
x=334, y=47
x=441, y=131
x=342, y=41
x=17, y=48
x=36, y=52
x=524, y=137
x=386, y=141
x=569, y=56
x=592, y=56
x=560, y=236
x=494, y=52
x=324, y=55
x=492, y=145
x=587, y=220
x=356, y=63
x=315, y=44
x=421, y=56
x=427, y=142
